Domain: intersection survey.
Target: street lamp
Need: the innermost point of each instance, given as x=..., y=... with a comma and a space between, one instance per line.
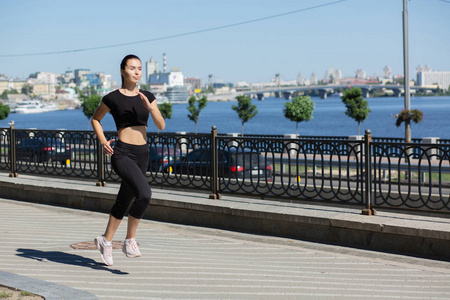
x=406, y=71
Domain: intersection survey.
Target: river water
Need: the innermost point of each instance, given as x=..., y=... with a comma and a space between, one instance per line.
x=329, y=119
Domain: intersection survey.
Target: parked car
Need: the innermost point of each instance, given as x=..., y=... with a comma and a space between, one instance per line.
x=162, y=158
x=39, y=150
x=232, y=163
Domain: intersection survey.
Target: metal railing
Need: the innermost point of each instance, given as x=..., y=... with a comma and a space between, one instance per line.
x=367, y=172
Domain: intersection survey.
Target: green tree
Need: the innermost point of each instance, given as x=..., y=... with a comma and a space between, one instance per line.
x=194, y=110
x=5, y=93
x=27, y=89
x=245, y=109
x=357, y=107
x=4, y=111
x=166, y=110
x=299, y=109
x=90, y=104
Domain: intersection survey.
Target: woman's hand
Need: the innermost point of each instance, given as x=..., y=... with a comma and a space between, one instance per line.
x=154, y=111
x=150, y=106
x=107, y=149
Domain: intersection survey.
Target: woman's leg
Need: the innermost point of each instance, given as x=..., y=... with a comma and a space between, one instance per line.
x=132, y=227
x=134, y=184
x=111, y=228
x=131, y=166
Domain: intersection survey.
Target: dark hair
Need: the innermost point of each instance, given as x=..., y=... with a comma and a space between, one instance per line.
x=124, y=63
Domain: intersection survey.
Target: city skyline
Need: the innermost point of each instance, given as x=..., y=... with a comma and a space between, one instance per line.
x=235, y=41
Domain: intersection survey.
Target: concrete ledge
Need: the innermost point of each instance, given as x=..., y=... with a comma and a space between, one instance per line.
x=392, y=232
x=48, y=290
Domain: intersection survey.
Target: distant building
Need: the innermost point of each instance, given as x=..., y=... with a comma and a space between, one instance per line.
x=95, y=80
x=313, y=79
x=177, y=94
x=192, y=83
x=332, y=77
x=80, y=76
x=173, y=78
x=18, y=84
x=428, y=78
x=4, y=85
x=46, y=78
x=300, y=80
x=68, y=77
x=326, y=77
x=172, y=82
x=387, y=74
x=423, y=69
x=151, y=67
x=44, y=84
x=158, y=88
x=338, y=74
x=360, y=74
x=99, y=80
x=241, y=84
x=44, y=90
x=218, y=85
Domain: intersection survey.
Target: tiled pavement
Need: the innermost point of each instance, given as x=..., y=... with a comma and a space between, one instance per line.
x=186, y=262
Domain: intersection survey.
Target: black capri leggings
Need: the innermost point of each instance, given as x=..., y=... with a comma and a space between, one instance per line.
x=130, y=162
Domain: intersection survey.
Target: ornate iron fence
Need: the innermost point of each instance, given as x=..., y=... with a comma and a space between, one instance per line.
x=417, y=178
x=365, y=172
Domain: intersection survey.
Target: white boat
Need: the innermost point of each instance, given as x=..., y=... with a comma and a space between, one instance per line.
x=29, y=107
x=50, y=107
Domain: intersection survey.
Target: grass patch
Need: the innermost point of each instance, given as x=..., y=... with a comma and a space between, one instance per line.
x=4, y=294
x=25, y=293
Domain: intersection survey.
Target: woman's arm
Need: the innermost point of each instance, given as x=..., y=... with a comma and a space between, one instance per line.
x=101, y=111
x=154, y=111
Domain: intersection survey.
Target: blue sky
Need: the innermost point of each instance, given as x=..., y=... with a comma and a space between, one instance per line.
x=347, y=35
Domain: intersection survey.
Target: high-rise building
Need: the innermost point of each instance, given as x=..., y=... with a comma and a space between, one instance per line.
x=360, y=74
x=423, y=69
x=300, y=80
x=326, y=77
x=313, y=79
x=426, y=77
x=151, y=67
x=387, y=73
x=80, y=76
x=68, y=77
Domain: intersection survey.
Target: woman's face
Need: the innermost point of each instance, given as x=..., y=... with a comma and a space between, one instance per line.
x=133, y=71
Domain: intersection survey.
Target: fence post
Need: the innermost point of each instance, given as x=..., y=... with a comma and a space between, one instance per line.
x=12, y=150
x=100, y=165
x=368, y=210
x=214, y=161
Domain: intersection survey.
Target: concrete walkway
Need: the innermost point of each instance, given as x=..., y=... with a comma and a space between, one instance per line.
x=47, y=249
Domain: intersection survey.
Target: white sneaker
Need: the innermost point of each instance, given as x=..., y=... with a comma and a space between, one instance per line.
x=105, y=250
x=131, y=248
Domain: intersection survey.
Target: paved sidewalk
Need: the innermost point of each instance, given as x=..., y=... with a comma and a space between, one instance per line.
x=388, y=231
x=48, y=250
x=188, y=262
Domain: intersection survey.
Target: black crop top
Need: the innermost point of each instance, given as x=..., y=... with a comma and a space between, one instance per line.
x=128, y=110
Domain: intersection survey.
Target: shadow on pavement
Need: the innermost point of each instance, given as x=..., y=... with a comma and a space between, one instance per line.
x=65, y=258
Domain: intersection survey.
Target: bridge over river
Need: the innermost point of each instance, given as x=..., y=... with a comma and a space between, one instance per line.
x=322, y=90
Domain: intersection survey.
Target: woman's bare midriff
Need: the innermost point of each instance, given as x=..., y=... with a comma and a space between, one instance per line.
x=135, y=135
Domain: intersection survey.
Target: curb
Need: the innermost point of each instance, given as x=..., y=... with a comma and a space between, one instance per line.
x=48, y=290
